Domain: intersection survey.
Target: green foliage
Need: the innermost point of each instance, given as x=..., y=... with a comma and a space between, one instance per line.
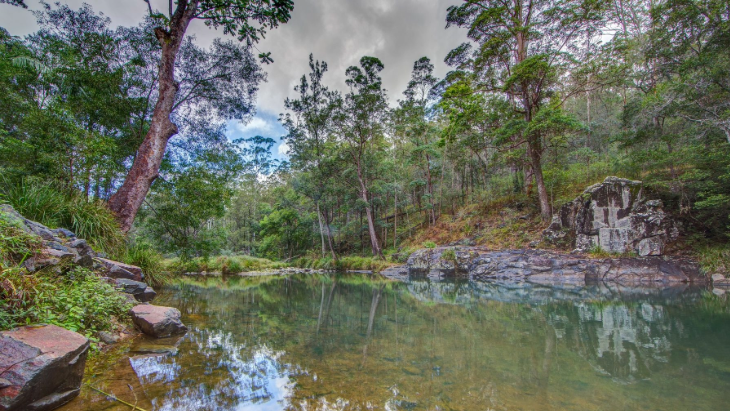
x=714, y=258
x=342, y=264
x=144, y=256
x=429, y=244
x=78, y=301
x=222, y=264
x=55, y=208
x=15, y=244
x=449, y=255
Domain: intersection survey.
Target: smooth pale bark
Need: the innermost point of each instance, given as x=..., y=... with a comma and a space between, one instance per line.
x=432, y=213
x=329, y=236
x=395, y=220
x=321, y=229
x=545, y=207
x=374, y=243
x=128, y=199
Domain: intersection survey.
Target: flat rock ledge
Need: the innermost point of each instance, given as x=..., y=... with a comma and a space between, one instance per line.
x=41, y=367
x=157, y=321
x=540, y=266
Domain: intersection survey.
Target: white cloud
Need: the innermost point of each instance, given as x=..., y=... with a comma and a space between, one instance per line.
x=283, y=149
x=339, y=32
x=258, y=124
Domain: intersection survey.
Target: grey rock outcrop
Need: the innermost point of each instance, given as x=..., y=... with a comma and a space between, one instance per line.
x=62, y=250
x=615, y=216
x=545, y=267
x=157, y=321
x=41, y=368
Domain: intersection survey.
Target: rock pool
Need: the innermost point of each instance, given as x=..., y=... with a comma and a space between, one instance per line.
x=356, y=342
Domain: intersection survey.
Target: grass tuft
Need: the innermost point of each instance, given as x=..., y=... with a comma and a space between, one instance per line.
x=50, y=206
x=144, y=256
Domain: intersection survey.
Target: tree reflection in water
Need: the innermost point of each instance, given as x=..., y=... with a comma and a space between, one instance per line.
x=360, y=342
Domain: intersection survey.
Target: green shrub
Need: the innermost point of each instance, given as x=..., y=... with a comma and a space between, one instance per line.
x=149, y=260
x=429, y=244
x=449, y=255
x=223, y=264
x=714, y=259
x=48, y=205
x=78, y=301
x=352, y=262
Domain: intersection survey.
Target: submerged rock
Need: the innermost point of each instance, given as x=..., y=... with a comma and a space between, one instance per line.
x=40, y=367
x=157, y=321
x=615, y=216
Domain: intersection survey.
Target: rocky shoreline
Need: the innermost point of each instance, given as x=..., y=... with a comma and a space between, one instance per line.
x=42, y=366
x=541, y=266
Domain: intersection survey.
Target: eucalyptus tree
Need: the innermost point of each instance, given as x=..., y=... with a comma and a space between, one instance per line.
x=525, y=50
x=310, y=141
x=359, y=122
x=413, y=121
x=248, y=20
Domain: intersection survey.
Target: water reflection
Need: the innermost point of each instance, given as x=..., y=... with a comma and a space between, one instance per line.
x=359, y=342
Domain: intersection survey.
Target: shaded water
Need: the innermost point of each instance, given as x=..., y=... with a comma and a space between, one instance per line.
x=359, y=342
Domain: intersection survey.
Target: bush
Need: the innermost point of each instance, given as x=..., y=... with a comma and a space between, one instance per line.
x=714, y=259
x=343, y=263
x=429, y=244
x=223, y=264
x=48, y=205
x=149, y=260
x=78, y=301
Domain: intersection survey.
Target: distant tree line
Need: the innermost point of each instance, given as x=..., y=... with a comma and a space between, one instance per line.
x=544, y=98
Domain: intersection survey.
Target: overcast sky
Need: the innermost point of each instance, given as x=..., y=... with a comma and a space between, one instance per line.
x=398, y=32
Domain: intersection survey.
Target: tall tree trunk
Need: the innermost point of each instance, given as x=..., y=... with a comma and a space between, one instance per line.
x=128, y=199
x=321, y=229
x=395, y=220
x=329, y=235
x=545, y=207
x=374, y=243
x=430, y=190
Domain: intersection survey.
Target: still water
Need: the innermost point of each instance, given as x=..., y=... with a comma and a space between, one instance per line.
x=359, y=342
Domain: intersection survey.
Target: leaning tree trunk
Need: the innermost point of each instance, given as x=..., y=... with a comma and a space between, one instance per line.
x=128, y=199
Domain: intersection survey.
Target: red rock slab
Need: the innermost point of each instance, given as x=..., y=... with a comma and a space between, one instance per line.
x=42, y=367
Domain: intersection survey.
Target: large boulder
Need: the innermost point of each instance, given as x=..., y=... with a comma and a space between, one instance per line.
x=615, y=216
x=157, y=321
x=40, y=367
